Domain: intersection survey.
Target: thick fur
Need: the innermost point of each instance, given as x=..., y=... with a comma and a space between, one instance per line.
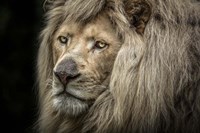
x=155, y=82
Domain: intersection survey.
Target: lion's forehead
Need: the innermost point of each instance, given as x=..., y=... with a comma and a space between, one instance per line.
x=99, y=27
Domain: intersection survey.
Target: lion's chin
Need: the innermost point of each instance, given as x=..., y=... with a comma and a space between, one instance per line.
x=70, y=105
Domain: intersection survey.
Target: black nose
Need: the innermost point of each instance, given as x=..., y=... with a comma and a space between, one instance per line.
x=66, y=71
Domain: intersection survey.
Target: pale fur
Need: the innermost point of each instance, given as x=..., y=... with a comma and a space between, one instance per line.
x=155, y=82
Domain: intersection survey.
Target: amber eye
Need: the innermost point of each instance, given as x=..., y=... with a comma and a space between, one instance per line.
x=63, y=39
x=100, y=45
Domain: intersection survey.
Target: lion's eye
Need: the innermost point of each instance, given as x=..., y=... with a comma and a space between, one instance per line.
x=100, y=45
x=63, y=39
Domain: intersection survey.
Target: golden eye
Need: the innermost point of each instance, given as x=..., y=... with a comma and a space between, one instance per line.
x=100, y=45
x=63, y=39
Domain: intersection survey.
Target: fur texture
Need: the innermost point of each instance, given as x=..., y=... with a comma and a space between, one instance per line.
x=155, y=81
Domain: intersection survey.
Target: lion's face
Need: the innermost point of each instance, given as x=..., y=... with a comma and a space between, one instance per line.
x=83, y=59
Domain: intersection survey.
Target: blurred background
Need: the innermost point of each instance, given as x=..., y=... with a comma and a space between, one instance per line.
x=20, y=24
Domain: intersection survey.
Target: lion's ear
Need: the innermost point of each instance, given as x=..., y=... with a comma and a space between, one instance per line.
x=51, y=4
x=138, y=14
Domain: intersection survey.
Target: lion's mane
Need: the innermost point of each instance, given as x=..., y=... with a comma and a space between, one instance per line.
x=155, y=82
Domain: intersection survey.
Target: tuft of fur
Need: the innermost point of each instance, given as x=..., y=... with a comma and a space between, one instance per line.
x=155, y=81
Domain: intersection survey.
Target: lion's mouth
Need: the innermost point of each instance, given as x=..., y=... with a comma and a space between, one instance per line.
x=69, y=94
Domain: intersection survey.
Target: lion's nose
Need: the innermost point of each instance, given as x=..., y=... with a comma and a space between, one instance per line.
x=66, y=71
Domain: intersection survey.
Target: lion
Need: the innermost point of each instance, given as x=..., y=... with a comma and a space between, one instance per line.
x=120, y=66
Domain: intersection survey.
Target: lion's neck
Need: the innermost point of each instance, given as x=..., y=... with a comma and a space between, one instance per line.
x=71, y=125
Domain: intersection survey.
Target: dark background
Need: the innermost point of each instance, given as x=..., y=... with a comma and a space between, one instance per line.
x=20, y=24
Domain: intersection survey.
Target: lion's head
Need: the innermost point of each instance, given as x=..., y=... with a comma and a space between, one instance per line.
x=81, y=47
x=116, y=66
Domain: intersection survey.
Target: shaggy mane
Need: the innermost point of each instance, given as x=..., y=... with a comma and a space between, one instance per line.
x=155, y=82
